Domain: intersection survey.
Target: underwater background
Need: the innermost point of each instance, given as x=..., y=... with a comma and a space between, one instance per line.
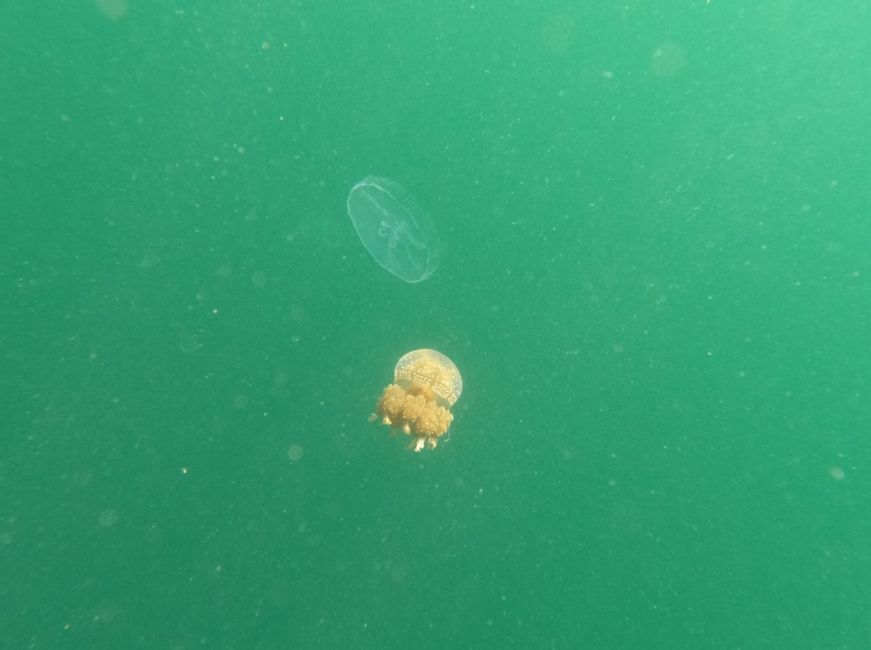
x=655, y=282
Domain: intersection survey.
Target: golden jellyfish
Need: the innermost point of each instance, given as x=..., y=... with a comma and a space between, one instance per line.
x=426, y=385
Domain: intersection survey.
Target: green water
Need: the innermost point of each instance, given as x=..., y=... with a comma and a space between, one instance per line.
x=655, y=281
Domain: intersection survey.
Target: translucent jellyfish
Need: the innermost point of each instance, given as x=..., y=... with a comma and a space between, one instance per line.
x=395, y=231
x=426, y=385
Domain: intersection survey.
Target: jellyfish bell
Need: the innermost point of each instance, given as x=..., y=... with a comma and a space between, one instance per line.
x=426, y=386
x=430, y=369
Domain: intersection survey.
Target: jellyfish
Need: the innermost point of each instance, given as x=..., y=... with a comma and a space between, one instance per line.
x=396, y=232
x=426, y=385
